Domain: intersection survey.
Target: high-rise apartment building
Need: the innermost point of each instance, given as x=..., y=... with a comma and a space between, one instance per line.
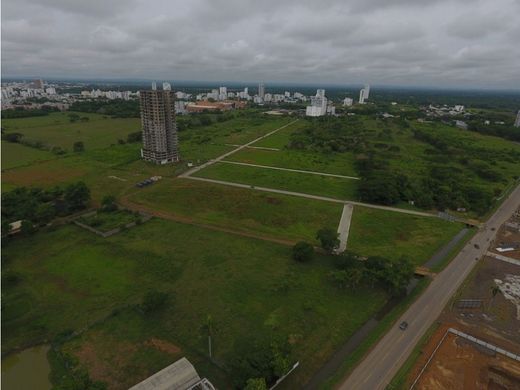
x=166, y=86
x=261, y=90
x=517, y=121
x=160, y=143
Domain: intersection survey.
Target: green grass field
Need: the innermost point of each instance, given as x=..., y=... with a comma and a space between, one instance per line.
x=69, y=278
x=335, y=163
x=16, y=155
x=334, y=187
x=392, y=235
x=279, y=216
x=56, y=129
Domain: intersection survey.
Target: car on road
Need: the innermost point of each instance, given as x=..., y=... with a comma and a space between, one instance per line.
x=403, y=325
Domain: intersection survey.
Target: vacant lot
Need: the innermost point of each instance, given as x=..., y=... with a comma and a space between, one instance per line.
x=334, y=187
x=67, y=278
x=460, y=364
x=242, y=209
x=15, y=155
x=56, y=129
x=335, y=163
x=390, y=234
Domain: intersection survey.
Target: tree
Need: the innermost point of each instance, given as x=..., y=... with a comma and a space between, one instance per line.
x=328, y=238
x=108, y=203
x=78, y=147
x=256, y=384
x=303, y=252
x=27, y=228
x=44, y=213
x=154, y=301
x=77, y=196
x=134, y=137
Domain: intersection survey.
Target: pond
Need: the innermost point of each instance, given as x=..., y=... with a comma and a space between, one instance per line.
x=28, y=369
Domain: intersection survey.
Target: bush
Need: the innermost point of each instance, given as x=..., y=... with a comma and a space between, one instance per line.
x=78, y=147
x=154, y=301
x=328, y=238
x=303, y=252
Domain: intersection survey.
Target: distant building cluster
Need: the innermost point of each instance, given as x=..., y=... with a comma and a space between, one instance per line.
x=111, y=95
x=27, y=95
x=320, y=105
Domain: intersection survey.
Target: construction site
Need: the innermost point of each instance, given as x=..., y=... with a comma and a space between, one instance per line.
x=476, y=342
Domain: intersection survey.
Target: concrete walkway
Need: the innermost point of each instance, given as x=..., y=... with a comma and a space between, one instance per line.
x=289, y=169
x=257, y=147
x=309, y=196
x=344, y=227
x=210, y=162
x=503, y=258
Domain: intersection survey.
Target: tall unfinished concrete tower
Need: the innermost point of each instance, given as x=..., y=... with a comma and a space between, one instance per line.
x=160, y=142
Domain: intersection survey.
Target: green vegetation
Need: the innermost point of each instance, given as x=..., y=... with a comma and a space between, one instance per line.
x=339, y=164
x=39, y=207
x=70, y=278
x=333, y=187
x=274, y=215
x=108, y=220
x=57, y=130
x=117, y=108
x=303, y=252
x=393, y=235
x=17, y=155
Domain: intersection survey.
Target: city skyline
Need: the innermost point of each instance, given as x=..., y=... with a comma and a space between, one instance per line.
x=439, y=43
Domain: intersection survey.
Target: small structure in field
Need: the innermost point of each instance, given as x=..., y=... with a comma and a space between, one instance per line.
x=180, y=375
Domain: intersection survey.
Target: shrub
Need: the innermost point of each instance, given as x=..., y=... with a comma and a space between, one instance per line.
x=303, y=252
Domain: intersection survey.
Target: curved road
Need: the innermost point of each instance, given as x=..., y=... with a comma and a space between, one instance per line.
x=379, y=367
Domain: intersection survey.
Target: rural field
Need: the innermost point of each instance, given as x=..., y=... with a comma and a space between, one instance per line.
x=221, y=254
x=70, y=277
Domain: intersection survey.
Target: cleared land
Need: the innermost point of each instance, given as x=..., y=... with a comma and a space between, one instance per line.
x=389, y=234
x=69, y=278
x=16, y=155
x=339, y=164
x=280, y=216
x=334, y=187
x=57, y=130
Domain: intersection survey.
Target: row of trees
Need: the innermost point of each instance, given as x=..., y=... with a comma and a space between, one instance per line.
x=393, y=275
x=23, y=113
x=38, y=207
x=117, y=108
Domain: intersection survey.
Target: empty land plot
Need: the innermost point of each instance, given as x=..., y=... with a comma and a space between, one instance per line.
x=281, y=138
x=334, y=187
x=389, y=234
x=239, y=130
x=15, y=155
x=334, y=163
x=56, y=130
x=250, y=288
x=283, y=217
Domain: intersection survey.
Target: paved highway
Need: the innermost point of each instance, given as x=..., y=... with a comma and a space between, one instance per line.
x=382, y=363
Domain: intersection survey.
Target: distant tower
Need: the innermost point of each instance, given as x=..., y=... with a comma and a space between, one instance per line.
x=160, y=143
x=367, y=91
x=166, y=86
x=517, y=122
x=320, y=93
x=362, y=96
x=261, y=90
x=38, y=84
x=154, y=86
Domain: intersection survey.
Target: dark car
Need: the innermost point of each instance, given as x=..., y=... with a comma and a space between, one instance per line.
x=403, y=325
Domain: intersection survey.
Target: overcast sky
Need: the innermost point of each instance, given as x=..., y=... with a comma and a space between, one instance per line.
x=469, y=43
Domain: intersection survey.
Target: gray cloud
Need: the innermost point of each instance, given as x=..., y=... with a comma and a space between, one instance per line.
x=409, y=42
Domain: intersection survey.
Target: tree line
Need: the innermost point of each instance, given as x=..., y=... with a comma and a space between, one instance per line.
x=37, y=207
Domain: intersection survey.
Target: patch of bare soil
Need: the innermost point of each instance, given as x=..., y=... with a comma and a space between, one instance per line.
x=460, y=364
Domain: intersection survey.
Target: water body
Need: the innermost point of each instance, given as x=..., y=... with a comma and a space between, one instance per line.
x=28, y=370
